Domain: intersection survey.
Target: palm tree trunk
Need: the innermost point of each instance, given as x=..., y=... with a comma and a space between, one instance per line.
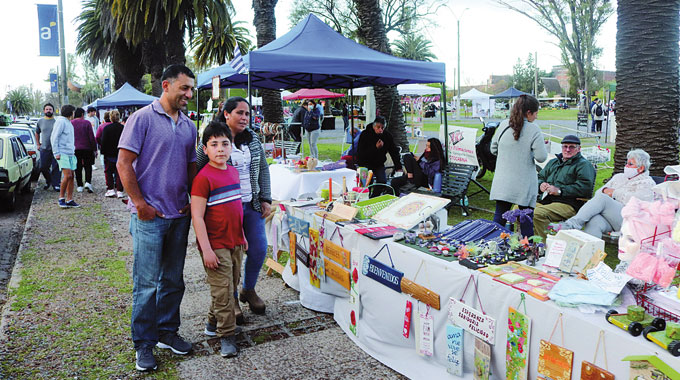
x=647, y=90
x=175, y=44
x=265, y=26
x=127, y=65
x=372, y=33
x=154, y=61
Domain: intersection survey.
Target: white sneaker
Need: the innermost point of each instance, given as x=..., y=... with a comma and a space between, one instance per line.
x=120, y=194
x=110, y=193
x=79, y=189
x=89, y=187
x=94, y=167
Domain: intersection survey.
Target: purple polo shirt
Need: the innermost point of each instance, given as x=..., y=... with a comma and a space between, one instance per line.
x=162, y=157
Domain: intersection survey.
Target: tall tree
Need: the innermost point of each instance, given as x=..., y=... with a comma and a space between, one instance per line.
x=647, y=90
x=524, y=74
x=215, y=48
x=414, y=46
x=20, y=99
x=265, y=27
x=372, y=33
x=575, y=24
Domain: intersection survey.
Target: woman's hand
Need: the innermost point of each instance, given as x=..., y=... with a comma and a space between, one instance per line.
x=609, y=191
x=266, y=209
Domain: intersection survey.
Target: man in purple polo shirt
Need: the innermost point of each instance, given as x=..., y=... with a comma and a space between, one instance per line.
x=156, y=163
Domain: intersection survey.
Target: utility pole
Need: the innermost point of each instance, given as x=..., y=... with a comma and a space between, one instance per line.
x=458, y=98
x=536, y=74
x=62, y=50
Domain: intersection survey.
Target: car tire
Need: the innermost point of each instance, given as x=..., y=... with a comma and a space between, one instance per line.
x=10, y=201
x=647, y=330
x=26, y=189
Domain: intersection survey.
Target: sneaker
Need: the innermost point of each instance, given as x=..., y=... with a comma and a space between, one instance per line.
x=79, y=189
x=228, y=347
x=94, y=167
x=145, y=360
x=211, y=329
x=62, y=203
x=175, y=343
x=89, y=187
x=110, y=193
x=120, y=194
x=554, y=228
x=56, y=188
x=72, y=204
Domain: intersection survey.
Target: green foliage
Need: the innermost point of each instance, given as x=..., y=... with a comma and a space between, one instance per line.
x=414, y=46
x=21, y=100
x=211, y=47
x=523, y=75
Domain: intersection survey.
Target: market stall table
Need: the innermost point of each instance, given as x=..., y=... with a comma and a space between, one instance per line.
x=288, y=184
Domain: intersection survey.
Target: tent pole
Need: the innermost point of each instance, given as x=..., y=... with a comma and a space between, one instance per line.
x=350, y=113
x=446, y=123
x=198, y=111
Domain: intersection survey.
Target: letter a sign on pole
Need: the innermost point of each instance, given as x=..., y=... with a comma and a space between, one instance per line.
x=47, y=30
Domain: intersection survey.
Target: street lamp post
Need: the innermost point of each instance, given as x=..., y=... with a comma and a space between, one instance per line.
x=458, y=39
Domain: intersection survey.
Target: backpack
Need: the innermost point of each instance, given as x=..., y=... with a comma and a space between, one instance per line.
x=598, y=110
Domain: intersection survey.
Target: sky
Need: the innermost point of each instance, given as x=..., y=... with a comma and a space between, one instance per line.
x=492, y=38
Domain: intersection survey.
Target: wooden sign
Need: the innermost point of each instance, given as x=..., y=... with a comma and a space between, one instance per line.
x=454, y=354
x=302, y=254
x=291, y=254
x=590, y=371
x=330, y=217
x=381, y=273
x=472, y=320
x=420, y=293
x=554, y=361
x=299, y=226
x=336, y=253
x=343, y=211
x=517, y=348
x=336, y=272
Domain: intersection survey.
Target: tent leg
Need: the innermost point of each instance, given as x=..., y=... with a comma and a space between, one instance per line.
x=446, y=123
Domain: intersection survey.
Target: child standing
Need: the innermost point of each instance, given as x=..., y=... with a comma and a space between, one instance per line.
x=217, y=215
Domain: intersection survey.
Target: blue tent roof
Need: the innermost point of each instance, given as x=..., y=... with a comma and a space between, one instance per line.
x=313, y=55
x=509, y=93
x=126, y=95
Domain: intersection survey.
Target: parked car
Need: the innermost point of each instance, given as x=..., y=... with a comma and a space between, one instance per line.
x=562, y=105
x=336, y=111
x=16, y=167
x=27, y=135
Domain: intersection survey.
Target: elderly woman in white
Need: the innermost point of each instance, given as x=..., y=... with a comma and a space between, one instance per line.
x=602, y=213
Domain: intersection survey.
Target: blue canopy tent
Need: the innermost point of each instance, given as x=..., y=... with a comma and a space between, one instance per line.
x=126, y=95
x=509, y=93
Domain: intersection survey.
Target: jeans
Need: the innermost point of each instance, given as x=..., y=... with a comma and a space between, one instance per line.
x=253, y=227
x=160, y=247
x=345, y=120
x=313, y=137
x=85, y=161
x=49, y=168
x=526, y=228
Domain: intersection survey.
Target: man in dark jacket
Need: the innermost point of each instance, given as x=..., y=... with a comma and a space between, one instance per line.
x=561, y=183
x=374, y=144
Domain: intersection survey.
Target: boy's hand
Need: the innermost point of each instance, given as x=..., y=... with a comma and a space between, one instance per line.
x=210, y=260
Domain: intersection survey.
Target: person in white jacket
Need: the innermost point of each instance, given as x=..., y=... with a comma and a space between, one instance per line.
x=602, y=213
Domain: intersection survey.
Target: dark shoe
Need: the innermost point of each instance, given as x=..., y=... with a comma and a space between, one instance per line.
x=62, y=203
x=211, y=329
x=228, y=347
x=254, y=301
x=175, y=343
x=72, y=204
x=56, y=188
x=145, y=360
x=47, y=186
x=238, y=313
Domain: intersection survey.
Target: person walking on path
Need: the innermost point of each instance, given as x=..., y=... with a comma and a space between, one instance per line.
x=86, y=150
x=48, y=164
x=63, y=148
x=156, y=163
x=516, y=146
x=110, y=137
x=249, y=159
x=590, y=110
x=217, y=214
x=598, y=115
x=94, y=120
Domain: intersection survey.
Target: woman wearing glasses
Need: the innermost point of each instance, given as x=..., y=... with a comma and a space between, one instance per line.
x=517, y=143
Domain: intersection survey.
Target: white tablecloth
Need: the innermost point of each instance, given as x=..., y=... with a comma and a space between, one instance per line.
x=381, y=316
x=287, y=184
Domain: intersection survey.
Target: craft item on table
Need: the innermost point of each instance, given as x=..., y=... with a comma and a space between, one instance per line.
x=454, y=354
x=472, y=230
x=668, y=339
x=555, y=362
x=641, y=220
x=377, y=233
x=386, y=275
x=362, y=176
x=407, y=319
x=605, y=278
x=650, y=367
x=336, y=253
x=299, y=226
x=579, y=249
x=330, y=216
x=406, y=212
x=518, y=216
x=539, y=293
x=335, y=272
x=314, y=258
x=635, y=320
x=354, y=299
x=302, y=250
x=292, y=255
x=482, y=370
x=574, y=291
x=425, y=333
x=553, y=257
x=420, y=292
x=589, y=371
x=340, y=164
x=518, y=342
x=597, y=258
x=510, y=278
x=474, y=321
x=344, y=211
x=569, y=257
x=301, y=202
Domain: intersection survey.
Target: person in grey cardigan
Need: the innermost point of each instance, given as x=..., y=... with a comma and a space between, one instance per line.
x=517, y=143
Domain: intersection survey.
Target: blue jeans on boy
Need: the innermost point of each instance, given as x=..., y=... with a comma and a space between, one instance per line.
x=253, y=227
x=49, y=168
x=160, y=247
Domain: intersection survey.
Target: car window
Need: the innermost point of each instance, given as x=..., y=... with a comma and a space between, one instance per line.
x=2, y=149
x=15, y=149
x=24, y=134
x=22, y=148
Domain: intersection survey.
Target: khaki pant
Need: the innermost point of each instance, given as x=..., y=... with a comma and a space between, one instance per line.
x=223, y=282
x=550, y=213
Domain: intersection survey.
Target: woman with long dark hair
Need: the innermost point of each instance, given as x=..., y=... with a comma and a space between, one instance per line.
x=421, y=172
x=517, y=143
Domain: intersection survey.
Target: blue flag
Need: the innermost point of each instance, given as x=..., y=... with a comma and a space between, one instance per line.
x=237, y=63
x=54, y=87
x=107, y=85
x=47, y=30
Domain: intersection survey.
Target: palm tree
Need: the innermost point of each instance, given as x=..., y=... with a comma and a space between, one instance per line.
x=647, y=89
x=20, y=99
x=217, y=48
x=265, y=26
x=372, y=34
x=414, y=46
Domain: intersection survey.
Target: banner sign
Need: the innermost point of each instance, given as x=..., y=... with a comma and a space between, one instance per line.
x=473, y=321
x=54, y=83
x=299, y=226
x=461, y=142
x=381, y=273
x=107, y=85
x=47, y=30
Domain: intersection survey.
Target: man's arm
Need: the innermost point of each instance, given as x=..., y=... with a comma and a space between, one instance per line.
x=582, y=186
x=191, y=174
x=54, y=137
x=37, y=138
x=129, y=179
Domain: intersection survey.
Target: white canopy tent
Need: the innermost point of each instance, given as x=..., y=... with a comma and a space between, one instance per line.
x=482, y=105
x=406, y=89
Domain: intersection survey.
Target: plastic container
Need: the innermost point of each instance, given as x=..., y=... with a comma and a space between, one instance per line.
x=370, y=207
